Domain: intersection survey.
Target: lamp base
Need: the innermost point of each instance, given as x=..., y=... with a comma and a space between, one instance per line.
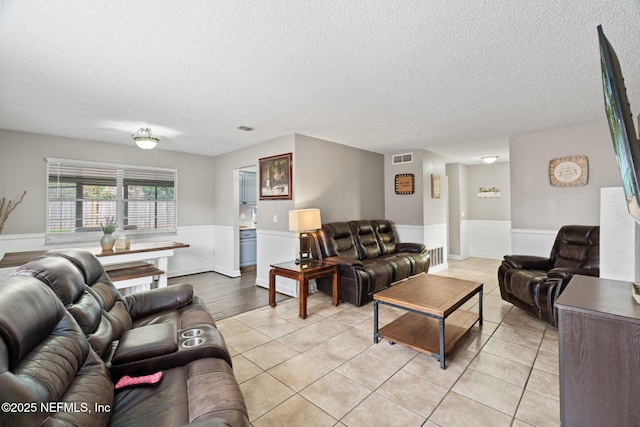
x=304, y=258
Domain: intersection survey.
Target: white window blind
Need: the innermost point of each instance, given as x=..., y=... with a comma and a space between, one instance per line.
x=82, y=194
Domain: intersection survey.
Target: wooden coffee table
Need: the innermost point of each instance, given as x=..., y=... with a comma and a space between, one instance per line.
x=429, y=300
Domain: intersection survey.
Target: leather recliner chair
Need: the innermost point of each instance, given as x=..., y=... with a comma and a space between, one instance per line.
x=533, y=283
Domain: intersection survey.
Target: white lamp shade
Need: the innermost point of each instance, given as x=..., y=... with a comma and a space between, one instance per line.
x=304, y=219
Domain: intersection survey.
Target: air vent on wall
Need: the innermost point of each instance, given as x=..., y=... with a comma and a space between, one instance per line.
x=437, y=256
x=402, y=158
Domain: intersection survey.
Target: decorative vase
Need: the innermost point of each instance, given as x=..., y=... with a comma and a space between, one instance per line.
x=107, y=241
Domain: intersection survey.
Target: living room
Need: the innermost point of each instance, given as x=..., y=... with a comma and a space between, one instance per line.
x=341, y=160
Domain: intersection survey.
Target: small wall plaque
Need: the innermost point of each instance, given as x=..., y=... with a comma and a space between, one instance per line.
x=435, y=186
x=405, y=183
x=570, y=171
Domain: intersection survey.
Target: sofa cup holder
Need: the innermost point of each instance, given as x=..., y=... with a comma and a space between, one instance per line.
x=193, y=342
x=190, y=333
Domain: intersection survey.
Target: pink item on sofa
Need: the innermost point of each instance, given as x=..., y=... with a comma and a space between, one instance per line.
x=128, y=381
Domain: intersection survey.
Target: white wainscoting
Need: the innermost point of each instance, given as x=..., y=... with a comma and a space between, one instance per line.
x=432, y=236
x=532, y=242
x=488, y=239
x=274, y=247
x=224, y=247
x=409, y=233
x=198, y=257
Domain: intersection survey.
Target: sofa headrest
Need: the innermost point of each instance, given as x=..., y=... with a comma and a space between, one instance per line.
x=586, y=235
x=64, y=279
x=386, y=235
x=366, y=239
x=336, y=239
x=577, y=246
x=85, y=261
x=337, y=230
x=29, y=311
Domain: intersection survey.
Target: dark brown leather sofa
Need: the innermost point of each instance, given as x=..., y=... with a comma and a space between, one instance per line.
x=369, y=257
x=67, y=336
x=534, y=283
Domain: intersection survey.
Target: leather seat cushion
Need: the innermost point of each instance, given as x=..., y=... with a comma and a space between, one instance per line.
x=380, y=274
x=203, y=390
x=402, y=266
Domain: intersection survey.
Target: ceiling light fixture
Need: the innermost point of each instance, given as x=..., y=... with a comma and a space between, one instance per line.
x=145, y=139
x=489, y=159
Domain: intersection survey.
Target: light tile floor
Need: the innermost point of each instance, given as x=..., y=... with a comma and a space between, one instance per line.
x=326, y=370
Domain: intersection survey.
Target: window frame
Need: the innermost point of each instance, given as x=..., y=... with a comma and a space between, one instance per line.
x=125, y=175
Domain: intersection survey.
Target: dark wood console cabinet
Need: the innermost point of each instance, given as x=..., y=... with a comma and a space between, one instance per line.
x=599, y=338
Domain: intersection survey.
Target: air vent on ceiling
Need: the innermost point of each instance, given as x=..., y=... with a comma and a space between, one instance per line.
x=402, y=158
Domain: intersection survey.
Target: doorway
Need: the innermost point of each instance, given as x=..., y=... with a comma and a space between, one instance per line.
x=247, y=217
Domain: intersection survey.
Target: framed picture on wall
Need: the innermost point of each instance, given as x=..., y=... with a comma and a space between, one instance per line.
x=275, y=177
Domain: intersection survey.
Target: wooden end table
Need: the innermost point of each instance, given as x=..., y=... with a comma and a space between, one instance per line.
x=303, y=273
x=429, y=300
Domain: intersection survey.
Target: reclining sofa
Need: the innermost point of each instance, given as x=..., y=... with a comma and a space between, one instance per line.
x=369, y=257
x=67, y=336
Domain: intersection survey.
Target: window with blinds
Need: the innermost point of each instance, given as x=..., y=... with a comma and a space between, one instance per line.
x=81, y=195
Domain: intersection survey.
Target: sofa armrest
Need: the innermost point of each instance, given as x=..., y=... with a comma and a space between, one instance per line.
x=146, y=342
x=411, y=247
x=343, y=261
x=528, y=262
x=566, y=273
x=156, y=300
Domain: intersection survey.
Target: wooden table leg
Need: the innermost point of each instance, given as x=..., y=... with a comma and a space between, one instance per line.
x=272, y=287
x=304, y=291
x=336, y=288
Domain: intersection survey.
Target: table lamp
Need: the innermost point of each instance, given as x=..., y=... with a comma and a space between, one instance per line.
x=303, y=221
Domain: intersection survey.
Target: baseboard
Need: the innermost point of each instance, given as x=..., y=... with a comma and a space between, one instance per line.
x=439, y=268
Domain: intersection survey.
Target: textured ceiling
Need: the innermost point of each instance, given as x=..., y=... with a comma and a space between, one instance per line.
x=456, y=77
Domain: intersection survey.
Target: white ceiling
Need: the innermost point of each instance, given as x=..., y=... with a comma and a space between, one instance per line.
x=456, y=77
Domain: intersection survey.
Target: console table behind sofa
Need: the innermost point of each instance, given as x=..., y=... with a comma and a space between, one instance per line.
x=128, y=262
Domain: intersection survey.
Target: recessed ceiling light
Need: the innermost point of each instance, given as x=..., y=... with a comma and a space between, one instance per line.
x=245, y=128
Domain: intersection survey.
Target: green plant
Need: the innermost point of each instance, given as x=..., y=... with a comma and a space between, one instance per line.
x=109, y=226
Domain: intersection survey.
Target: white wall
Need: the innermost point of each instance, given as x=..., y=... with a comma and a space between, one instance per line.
x=619, y=237
x=477, y=226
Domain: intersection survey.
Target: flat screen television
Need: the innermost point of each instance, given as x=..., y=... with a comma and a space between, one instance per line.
x=625, y=142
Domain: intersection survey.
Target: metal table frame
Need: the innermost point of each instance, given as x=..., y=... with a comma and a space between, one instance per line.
x=441, y=356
